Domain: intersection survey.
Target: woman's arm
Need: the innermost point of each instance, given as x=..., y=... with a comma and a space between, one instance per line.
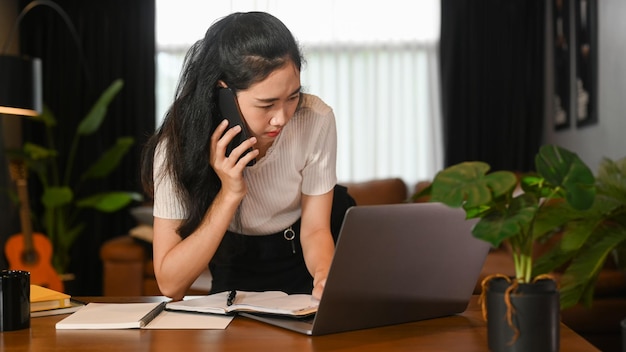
x=178, y=262
x=316, y=238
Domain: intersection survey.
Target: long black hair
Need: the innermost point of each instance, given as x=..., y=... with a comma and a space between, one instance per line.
x=240, y=49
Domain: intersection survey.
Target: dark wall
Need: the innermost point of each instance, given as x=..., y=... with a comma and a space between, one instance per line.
x=115, y=40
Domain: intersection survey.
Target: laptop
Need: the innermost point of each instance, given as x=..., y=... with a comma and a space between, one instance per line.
x=395, y=264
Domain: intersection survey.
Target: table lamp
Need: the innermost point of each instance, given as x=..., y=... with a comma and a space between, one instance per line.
x=20, y=85
x=20, y=76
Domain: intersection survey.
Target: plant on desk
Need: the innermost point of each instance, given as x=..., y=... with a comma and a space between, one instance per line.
x=515, y=218
x=62, y=195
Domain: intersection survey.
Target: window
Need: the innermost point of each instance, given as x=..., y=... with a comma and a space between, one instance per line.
x=375, y=63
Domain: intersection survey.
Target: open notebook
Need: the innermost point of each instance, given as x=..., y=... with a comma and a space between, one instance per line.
x=395, y=264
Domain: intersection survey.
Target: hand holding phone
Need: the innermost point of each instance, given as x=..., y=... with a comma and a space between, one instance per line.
x=229, y=108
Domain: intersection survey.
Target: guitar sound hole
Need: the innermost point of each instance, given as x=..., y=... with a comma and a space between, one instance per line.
x=30, y=257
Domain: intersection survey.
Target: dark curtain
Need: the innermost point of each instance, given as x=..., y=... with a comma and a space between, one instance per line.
x=9, y=214
x=117, y=40
x=492, y=71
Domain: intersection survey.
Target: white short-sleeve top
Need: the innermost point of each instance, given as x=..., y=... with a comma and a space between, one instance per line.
x=300, y=161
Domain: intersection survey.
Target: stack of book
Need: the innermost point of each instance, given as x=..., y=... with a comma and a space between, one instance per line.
x=44, y=302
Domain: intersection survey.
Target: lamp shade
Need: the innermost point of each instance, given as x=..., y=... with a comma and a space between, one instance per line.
x=20, y=85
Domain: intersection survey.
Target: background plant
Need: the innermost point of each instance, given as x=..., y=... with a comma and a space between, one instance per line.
x=508, y=214
x=63, y=197
x=587, y=238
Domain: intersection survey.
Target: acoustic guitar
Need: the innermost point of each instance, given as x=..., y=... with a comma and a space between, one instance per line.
x=30, y=251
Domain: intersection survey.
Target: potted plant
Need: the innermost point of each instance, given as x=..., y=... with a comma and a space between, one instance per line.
x=587, y=238
x=63, y=198
x=508, y=207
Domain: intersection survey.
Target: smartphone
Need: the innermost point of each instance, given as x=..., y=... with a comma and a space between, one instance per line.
x=229, y=108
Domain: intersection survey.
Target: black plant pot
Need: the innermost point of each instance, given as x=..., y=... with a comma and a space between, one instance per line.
x=535, y=315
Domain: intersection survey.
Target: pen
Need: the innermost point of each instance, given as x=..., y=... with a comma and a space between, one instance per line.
x=152, y=314
x=231, y=297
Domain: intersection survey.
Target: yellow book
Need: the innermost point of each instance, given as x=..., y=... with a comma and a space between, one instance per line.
x=42, y=298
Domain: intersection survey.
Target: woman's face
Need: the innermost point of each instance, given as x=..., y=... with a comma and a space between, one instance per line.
x=268, y=105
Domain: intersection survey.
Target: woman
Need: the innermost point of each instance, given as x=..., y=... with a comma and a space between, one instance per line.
x=262, y=227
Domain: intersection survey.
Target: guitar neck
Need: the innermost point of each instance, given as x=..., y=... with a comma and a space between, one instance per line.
x=18, y=173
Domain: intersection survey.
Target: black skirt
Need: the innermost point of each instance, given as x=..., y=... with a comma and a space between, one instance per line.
x=261, y=263
x=270, y=262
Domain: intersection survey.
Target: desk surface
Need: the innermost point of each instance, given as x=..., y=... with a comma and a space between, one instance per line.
x=464, y=332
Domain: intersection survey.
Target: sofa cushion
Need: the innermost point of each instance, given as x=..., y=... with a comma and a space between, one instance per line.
x=383, y=191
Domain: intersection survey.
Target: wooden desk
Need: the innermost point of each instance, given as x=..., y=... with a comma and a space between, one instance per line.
x=465, y=332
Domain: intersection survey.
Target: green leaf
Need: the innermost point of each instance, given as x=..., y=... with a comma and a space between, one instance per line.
x=477, y=212
x=54, y=197
x=109, y=160
x=536, y=185
x=564, y=169
x=38, y=152
x=576, y=229
x=91, y=123
x=467, y=184
x=553, y=216
x=611, y=179
x=578, y=280
x=571, y=241
x=36, y=157
x=109, y=202
x=499, y=225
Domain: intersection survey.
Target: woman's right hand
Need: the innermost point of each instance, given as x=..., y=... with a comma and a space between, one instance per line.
x=230, y=168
